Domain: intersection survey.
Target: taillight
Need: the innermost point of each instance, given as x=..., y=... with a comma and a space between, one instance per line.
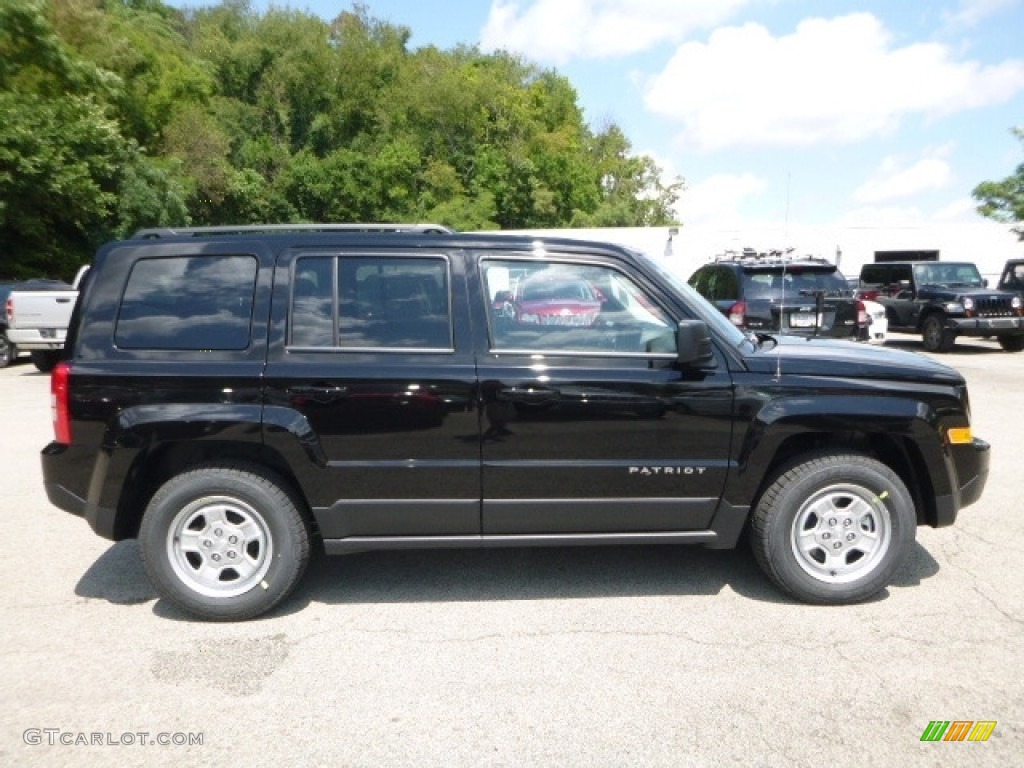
x=738, y=314
x=59, y=395
x=863, y=321
x=10, y=312
x=868, y=295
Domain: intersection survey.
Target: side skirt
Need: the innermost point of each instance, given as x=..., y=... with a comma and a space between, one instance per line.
x=356, y=544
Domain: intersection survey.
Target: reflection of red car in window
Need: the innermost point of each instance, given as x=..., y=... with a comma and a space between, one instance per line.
x=549, y=300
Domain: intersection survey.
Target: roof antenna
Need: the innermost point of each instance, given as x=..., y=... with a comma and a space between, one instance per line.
x=782, y=294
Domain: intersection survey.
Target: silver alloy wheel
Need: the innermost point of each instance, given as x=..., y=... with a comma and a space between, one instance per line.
x=219, y=546
x=841, y=533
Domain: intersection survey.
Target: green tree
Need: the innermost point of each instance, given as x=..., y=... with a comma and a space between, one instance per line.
x=60, y=151
x=1004, y=200
x=121, y=114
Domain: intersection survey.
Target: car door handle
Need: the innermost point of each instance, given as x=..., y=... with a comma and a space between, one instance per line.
x=321, y=393
x=529, y=393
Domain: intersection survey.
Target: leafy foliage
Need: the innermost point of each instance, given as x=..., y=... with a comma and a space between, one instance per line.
x=118, y=114
x=1004, y=200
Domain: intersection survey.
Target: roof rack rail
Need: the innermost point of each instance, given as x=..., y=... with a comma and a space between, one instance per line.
x=773, y=256
x=154, y=233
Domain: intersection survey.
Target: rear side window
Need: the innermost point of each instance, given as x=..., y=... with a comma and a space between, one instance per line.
x=371, y=303
x=717, y=284
x=874, y=275
x=188, y=303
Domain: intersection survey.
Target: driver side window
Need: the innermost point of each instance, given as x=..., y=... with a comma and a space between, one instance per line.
x=554, y=307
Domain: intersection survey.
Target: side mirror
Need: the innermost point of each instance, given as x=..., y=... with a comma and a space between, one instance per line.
x=501, y=297
x=693, y=344
x=984, y=282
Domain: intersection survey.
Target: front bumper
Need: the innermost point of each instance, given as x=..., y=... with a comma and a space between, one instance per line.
x=987, y=326
x=970, y=467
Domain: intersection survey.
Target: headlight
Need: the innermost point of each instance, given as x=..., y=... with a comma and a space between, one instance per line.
x=1015, y=303
x=969, y=305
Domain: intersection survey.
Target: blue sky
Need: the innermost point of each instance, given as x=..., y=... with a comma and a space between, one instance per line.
x=773, y=111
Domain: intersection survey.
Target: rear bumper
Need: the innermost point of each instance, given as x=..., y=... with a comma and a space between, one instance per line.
x=56, y=481
x=30, y=339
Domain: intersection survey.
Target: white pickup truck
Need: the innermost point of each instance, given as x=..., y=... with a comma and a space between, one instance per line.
x=37, y=321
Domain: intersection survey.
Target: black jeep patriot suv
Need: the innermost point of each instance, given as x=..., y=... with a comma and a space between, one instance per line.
x=237, y=399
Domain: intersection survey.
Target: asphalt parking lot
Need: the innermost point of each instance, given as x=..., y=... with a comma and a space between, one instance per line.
x=597, y=657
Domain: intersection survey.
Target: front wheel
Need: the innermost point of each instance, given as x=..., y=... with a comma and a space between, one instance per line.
x=1012, y=343
x=935, y=335
x=224, y=542
x=833, y=528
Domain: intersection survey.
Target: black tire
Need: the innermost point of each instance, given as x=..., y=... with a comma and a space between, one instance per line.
x=45, y=360
x=833, y=528
x=935, y=335
x=225, y=541
x=1012, y=343
x=8, y=352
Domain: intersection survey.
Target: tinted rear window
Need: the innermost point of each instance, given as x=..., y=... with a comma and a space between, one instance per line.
x=763, y=283
x=188, y=303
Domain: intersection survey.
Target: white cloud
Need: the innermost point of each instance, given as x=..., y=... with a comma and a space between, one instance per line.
x=970, y=13
x=557, y=31
x=833, y=80
x=895, y=180
x=958, y=211
x=718, y=199
x=962, y=210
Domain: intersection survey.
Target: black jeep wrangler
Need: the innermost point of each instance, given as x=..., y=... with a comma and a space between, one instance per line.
x=942, y=300
x=238, y=399
x=1012, y=279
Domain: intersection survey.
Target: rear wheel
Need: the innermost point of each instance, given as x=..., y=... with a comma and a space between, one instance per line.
x=224, y=541
x=45, y=361
x=935, y=335
x=833, y=528
x=8, y=352
x=1012, y=343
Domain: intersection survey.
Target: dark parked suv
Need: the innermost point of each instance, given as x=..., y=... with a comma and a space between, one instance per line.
x=942, y=300
x=239, y=399
x=807, y=296
x=1012, y=279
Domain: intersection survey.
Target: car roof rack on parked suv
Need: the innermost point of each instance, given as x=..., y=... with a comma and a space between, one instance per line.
x=155, y=233
x=774, y=256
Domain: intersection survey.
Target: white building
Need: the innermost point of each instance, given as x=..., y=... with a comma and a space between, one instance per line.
x=986, y=243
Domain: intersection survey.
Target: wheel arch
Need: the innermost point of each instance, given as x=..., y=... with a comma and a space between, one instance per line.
x=902, y=433
x=901, y=454
x=162, y=461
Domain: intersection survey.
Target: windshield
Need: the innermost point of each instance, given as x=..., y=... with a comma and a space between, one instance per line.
x=937, y=273
x=704, y=310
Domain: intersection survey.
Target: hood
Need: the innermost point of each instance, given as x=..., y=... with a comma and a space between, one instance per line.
x=798, y=355
x=948, y=293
